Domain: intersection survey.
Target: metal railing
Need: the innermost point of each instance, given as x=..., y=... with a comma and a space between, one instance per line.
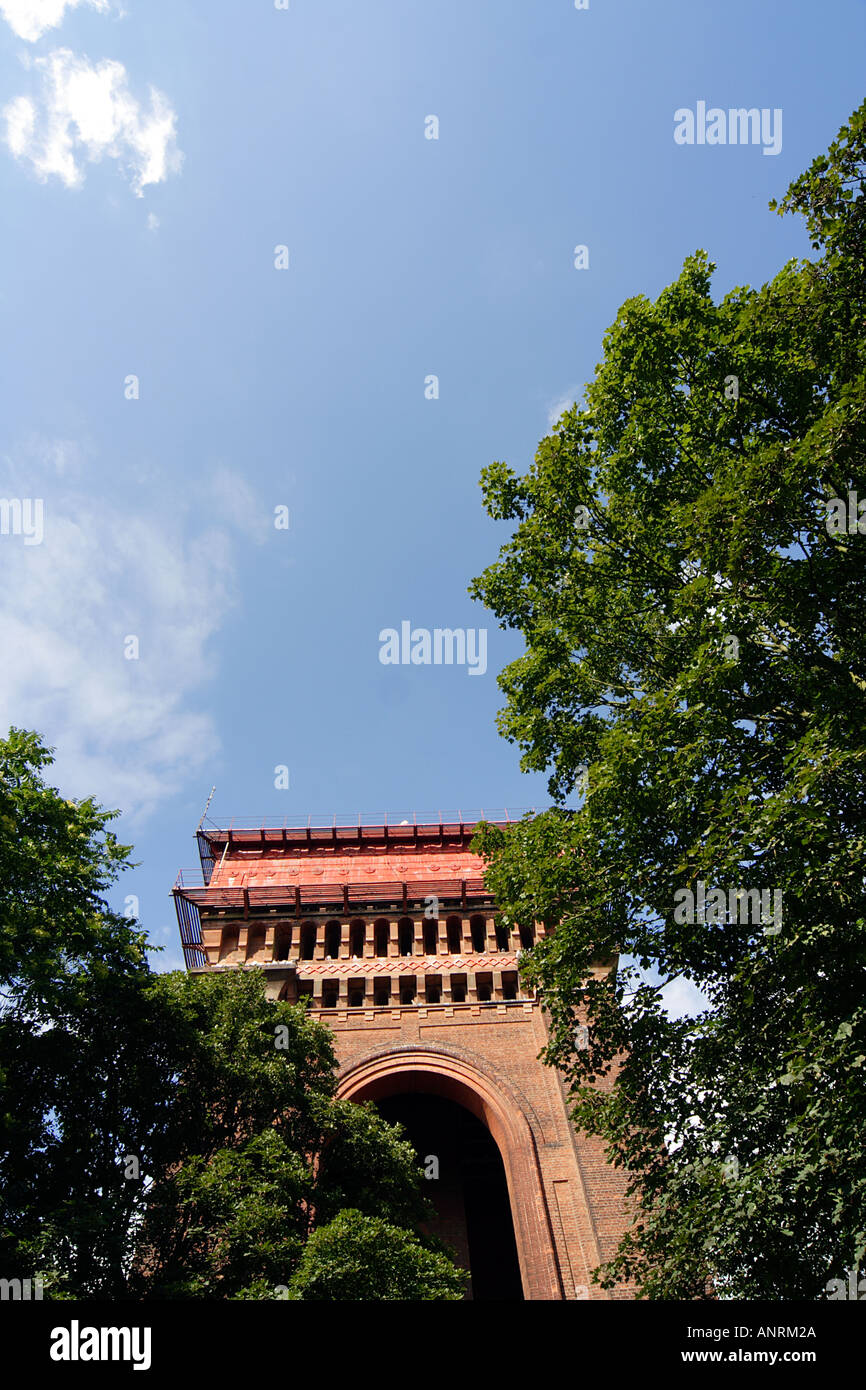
x=501, y=815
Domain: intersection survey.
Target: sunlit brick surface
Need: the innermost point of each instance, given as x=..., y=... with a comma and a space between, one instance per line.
x=391, y=935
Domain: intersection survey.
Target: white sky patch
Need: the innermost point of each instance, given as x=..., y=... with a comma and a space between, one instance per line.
x=65, y=457
x=129, y=732
x=30, y=19
x=234, y=501
x=152, y=222
x=682, y=999
x=561, y=404
x=83, y=112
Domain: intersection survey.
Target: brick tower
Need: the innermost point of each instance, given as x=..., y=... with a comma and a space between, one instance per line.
x=389, y=932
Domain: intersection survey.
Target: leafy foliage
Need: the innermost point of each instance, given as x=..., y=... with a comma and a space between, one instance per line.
x=360, y=1258
x=57, y=858
x=695, y=642
x=166, y=1136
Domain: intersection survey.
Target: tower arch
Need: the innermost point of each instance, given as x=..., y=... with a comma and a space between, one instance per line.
x=441, y=1072
x=388, y=932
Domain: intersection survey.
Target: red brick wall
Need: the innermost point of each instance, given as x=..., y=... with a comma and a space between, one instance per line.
x=567, y=1202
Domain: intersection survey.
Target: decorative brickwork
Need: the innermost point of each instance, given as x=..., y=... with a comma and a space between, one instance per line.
x=393, y=938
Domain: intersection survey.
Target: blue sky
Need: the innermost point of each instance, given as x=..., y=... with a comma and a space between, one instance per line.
x=152, y=157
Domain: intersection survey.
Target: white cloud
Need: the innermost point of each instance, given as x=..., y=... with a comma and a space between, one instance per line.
x=83, y=112
x=682, y=999
x=130, y=732
x=152, y=221
x=30, y=19
x=562, y=403
x=65, y=457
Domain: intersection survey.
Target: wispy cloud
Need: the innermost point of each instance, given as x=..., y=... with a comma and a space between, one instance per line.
x=81, y=112
x=561, y=404
x=130, y=731
x=234, y=501
x=30, y=19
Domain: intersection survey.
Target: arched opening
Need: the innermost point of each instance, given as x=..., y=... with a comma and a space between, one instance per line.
x=478, y=928
x=492, y=1100
x=455, y=933
x=527, y=938
x=356, y=939
x=406, y=936
x=381, y=937
x=465, y=1180
x=332, y=940
x=503, y=937
x=431, y=934
x=229, y=940
x=255, y=941
x=308, y=940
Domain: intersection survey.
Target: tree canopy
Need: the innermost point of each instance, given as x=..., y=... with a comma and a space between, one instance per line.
x=695, y=670
x=170, y=1136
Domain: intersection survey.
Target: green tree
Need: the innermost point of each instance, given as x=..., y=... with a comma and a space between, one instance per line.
x=358, y=1258
x=60, y=946
x=260, y=1151
x=57, y=859
x=162, y=1136
x=695, y=663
